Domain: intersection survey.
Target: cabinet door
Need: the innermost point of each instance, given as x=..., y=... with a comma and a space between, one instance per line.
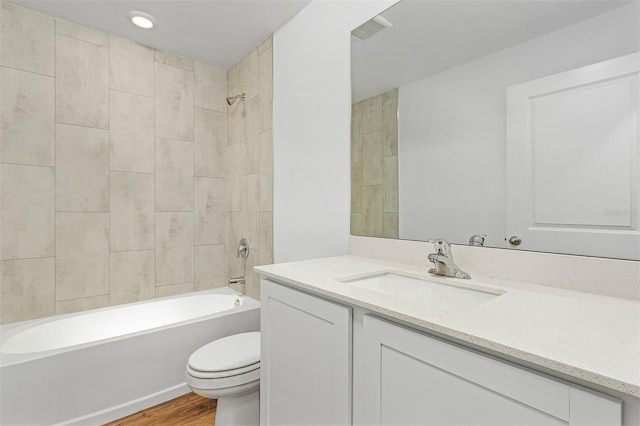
x=305, y=371
x=415, y=379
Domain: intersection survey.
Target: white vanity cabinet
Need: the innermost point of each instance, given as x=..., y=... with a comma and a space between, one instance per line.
x=412, y=378
x=305, y=367
x=324, y=363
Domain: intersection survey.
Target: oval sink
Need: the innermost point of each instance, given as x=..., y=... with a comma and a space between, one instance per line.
x=421, y=290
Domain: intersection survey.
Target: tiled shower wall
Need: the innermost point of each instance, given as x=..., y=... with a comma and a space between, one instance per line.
x=114, y=168
x=250, y=164
x=374, y=166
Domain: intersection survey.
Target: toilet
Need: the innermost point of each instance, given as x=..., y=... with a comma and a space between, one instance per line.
x=228, y=370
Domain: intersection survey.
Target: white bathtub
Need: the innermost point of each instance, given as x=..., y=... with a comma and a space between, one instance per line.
x=96, y=366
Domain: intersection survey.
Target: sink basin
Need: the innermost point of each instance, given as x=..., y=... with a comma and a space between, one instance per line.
x=422, y=290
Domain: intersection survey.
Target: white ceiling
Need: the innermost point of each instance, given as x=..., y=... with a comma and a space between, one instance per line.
x=430, y=36
x=218, y=32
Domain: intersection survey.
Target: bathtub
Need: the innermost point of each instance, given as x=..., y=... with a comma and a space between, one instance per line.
x=96, y=366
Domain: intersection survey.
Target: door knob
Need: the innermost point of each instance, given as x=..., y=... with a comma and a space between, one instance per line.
x=514, y=240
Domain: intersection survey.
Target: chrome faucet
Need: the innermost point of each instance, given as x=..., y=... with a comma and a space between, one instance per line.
x=443, y=261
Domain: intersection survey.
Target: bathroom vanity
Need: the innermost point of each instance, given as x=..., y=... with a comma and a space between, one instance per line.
x=350, y=340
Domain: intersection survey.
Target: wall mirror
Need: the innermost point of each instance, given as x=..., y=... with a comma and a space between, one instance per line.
x=509, y=124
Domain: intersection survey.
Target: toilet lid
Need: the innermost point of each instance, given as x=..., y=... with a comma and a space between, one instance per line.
x=229, y=353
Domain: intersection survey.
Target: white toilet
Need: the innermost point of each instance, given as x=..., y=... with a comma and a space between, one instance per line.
x=228, y=370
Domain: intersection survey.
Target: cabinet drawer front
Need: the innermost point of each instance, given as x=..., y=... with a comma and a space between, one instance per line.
x=414, y=378
x=458, y=368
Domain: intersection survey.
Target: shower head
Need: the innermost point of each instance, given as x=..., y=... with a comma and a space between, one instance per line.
x=232, y=99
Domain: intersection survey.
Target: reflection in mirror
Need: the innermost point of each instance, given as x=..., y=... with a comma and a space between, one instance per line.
x=513, y=124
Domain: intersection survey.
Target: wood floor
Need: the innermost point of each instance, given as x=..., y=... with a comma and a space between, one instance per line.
x=186, y=410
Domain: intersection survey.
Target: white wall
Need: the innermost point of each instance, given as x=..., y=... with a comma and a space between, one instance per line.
x=311, y=120
x=461, y=114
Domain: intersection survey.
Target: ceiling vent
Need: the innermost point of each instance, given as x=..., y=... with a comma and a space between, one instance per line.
x=371, y=27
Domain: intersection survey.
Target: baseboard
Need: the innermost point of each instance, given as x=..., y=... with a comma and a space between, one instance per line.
x=131, y=407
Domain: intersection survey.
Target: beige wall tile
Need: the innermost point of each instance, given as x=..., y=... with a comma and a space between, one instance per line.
x=174, y=175
x=82, y=169
x=210, y=84
x=356, y=132
x=250, y=66
x=234, y=177
x=82, y=83
x=27, y=40
x=266, y=171
x=210, y=212
x=133, y=276
x=82, y=304
x=132, y=146
x=210, y=143
x=266, y=238
x=251, y=139
x=391, y=94
x=356, y=224
x=131, y=67
x=251, y=209
x=174, y=248
x=372, y=158
x=27, y=118
x=390, y=184
x=390, y=125
x=356, y=187
x=372, y=210
x=132, y=211
x=81, y=32
x=390, y=225
x=234, y=234
x=27, y=289
x=210, y=267
x=252, y=279
x=82, y=255
x=235, y=119
x=266, y=90
x=174, y=60
x=233, y=69
x=174, y=289
x=174, y=102
x=372, y=114
x=28, y=211
x=265, y=44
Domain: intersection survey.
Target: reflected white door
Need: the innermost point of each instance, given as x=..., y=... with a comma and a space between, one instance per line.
x=572, y=161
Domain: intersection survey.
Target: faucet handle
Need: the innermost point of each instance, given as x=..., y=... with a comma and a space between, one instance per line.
x=441, y=246
x=477, y=240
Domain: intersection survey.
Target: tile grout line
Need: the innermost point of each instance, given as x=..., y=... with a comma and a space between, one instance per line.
x=109, y=153
x=55, y=181
x=193, y=165
x=155, y=174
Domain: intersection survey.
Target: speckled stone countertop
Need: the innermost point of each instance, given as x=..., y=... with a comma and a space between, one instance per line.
x=595, y=339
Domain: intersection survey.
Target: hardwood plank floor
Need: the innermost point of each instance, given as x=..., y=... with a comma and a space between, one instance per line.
x=186, y=410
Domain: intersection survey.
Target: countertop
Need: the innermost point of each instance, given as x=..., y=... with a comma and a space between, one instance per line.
x=595, y=339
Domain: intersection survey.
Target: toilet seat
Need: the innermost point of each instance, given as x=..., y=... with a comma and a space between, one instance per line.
x=228, y=356
x=193, y=380
x=228, y=362
x=221, y=374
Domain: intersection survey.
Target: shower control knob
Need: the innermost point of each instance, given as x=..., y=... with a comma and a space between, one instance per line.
x=514, y=240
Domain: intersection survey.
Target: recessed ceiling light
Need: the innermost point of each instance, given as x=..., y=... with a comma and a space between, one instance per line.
x=141, y=19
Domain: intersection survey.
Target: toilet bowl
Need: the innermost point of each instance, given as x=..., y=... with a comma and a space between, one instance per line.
x=228, y=370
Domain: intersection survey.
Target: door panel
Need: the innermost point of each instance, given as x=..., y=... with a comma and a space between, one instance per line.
x=581, y=125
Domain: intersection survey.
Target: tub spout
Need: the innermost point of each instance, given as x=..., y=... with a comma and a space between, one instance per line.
x=236, y=280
